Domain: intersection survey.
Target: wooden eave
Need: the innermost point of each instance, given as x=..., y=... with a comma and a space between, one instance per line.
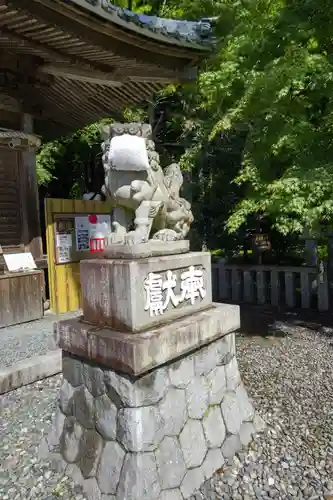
x=69, y=66
x=18, y=140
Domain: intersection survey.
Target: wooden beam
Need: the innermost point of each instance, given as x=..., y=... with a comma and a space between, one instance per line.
x=81, y=75
x=154, y=79
x=114, y=79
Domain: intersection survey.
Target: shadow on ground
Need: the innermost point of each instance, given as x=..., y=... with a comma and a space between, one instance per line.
x=269, y=321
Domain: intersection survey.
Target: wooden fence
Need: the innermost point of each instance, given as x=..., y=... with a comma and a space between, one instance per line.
x=291, y=287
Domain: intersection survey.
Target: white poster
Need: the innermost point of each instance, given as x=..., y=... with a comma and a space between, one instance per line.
x=82, y=233
x=64, y=240
x=64, y=254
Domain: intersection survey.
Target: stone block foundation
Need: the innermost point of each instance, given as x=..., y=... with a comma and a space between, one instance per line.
x=154, y=437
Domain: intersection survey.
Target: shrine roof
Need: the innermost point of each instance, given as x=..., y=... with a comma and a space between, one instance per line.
x=69, y=63
x=198, y=33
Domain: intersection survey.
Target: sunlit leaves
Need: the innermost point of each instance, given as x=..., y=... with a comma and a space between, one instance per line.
x=274, y=76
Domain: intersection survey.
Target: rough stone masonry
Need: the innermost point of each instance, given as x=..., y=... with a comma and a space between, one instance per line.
x=157, y=437
x=152, y=402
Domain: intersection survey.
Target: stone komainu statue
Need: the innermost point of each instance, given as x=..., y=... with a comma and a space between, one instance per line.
x=142, y=193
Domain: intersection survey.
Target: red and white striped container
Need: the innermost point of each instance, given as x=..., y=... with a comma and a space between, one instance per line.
x=96, y=234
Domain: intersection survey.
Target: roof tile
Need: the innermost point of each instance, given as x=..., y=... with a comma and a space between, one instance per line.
x=197, y=32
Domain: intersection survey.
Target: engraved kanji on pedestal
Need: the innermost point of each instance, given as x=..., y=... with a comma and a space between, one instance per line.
x=160, y=290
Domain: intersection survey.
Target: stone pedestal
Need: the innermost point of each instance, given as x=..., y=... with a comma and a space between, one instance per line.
x=159, y=436
x=133, y=295
x=151, y=405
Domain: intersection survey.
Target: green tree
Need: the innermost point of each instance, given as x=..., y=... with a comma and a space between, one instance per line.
x=272, y=78
x=68, y=166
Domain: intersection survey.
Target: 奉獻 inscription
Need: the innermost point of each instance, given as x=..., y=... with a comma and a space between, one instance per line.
x=161, y=290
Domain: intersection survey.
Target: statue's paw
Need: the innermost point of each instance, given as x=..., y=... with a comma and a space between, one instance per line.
x=134, y=238
x=117, y=228
x=166, y=235
x=115, y=239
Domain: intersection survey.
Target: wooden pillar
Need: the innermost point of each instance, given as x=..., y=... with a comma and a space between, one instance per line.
x=223, y=281
x=290, y=288
x=261, y=289
x=305, y=290
x=275, y=288
x=248, y=287
x=330, y=267
x=31, y=232
x=311, y=252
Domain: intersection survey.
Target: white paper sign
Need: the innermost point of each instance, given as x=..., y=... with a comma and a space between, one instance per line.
x=64, y=240
x=64, y=254
x=82, y=233
x=20, y=262
x=128, y=152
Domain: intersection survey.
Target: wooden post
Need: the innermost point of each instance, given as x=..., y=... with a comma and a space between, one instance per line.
x=323, y=289
x=222, y=281
x=215, y=282
x=31, y=232
x=330, y=268
x=235, y=285
x=248, y=287
x=310, y=248
x=289, y=288
x=261, y=295
x=311, y=252
x=305, y=290
x=275, y=292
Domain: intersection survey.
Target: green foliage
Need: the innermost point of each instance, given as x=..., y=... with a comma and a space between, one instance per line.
x=273, y=78
x=46, y=161
x=135, y=114
x=63, y=165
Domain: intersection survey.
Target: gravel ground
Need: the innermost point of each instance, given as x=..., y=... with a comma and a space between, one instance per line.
x=29, y=339
x=291, y=382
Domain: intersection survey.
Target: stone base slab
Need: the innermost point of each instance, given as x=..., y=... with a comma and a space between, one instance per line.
x=138, y=353
x=152, y=248
x=155, y=437
x=30, y=370
x=135, y=295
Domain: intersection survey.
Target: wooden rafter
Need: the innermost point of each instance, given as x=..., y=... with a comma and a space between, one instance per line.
x=74, y=73
x=52, y=53
x=106, y=35
x=67, y=67
x=103, y=73
x=30, y=104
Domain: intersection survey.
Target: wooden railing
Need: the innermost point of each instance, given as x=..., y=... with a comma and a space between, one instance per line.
x=291, y=287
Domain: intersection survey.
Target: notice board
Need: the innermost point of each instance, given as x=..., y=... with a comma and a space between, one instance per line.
x=67, y=244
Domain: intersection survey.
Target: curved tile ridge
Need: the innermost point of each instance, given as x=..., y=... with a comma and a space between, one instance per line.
x=195, y=32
